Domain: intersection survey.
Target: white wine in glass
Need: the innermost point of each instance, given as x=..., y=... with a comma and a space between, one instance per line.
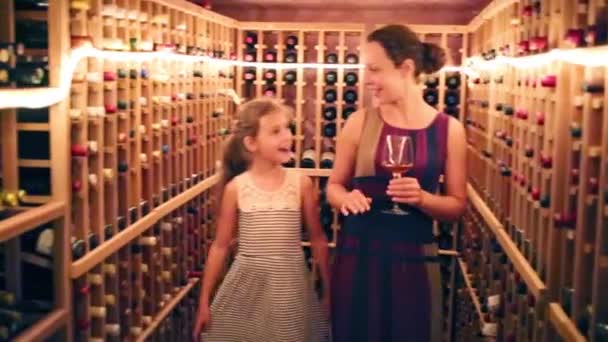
x=398, y=158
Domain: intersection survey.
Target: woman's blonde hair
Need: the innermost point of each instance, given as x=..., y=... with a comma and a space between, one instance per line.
x=235, y=157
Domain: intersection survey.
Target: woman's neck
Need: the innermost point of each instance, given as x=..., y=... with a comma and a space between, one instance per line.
x=409, y=111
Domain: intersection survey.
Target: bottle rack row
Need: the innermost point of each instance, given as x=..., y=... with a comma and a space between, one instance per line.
x=531, y=27
x=322, y=98
x=450, y=100
x=538, y=136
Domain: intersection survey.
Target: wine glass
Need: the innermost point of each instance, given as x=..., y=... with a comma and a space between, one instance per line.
x=397, y=157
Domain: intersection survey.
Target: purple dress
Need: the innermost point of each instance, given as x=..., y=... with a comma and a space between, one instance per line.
x=386, y=284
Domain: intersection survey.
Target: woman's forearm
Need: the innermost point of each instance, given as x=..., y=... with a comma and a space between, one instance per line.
x=442, y=208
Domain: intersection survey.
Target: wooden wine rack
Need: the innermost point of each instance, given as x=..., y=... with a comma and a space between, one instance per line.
x=538, y=134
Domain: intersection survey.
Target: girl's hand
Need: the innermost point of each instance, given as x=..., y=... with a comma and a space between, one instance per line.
x=405, y=190
x=355, y=202
x=202, y=319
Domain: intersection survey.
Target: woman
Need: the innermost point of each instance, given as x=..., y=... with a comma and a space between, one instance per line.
x=386, y=283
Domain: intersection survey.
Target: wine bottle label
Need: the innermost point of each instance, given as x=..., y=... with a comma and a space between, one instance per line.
x=327, y=156
x=331, y=58
x=7, y=53
x=493, y=301
x=7, y=298
x=309, y=154
x=351, y=58
x=32, y=74
x=45, y=242
x=5, y=75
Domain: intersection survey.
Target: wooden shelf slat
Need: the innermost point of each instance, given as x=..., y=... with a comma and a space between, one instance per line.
x=45, y=327
x=564, y=326
x=166, y=310
x=30, y=219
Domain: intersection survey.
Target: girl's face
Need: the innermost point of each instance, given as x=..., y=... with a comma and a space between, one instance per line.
x=274, y=139
x=386, y=82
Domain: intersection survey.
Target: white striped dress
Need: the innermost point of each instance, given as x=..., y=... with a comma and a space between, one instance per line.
x=267, y=295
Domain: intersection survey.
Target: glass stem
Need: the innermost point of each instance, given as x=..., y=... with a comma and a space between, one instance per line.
x=396, y=175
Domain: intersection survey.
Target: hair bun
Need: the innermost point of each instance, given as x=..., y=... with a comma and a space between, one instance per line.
x=433, y=58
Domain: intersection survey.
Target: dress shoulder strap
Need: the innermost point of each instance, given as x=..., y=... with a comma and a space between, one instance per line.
x=368, y=143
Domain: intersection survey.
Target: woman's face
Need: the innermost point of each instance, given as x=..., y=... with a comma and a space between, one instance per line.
x=386, y=82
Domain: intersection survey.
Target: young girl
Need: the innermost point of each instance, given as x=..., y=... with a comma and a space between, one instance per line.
x=266, y=295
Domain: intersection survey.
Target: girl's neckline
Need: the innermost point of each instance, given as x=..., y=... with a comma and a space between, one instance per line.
x=431, y=124
x=258, y=188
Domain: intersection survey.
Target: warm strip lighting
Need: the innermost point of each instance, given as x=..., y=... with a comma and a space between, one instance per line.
x=44, y=97
x=593, y=57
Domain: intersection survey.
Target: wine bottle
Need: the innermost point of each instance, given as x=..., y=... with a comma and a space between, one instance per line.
x=291, y=57
x=330, y=96
x=453, y=111
x=430, y=96
x=78, y=248
x=331, y=58
x=452, y=98
x=351, y=78
x=351, y=58
x=327, y=160
x=350, y=96
x=331, y=77
x=270, y=57
x=308, y=159
x=251, y=38
x=347, y=111
x=593, y=87
x=291, y=41
x=250, y=56
x=32, y=73
x=575, y=37
x=249, y=75
x=431, y=81
x=270, y=76
x=290, y=77
x=270, y=91
x=329, y=113
x=453, y=81
x=329, y=130
x=291, y=162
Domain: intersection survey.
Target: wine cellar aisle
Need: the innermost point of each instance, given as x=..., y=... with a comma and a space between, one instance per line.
x=113, y=114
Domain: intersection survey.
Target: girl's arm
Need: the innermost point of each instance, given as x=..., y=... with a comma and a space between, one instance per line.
x=310, y=207
x=221, y=246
